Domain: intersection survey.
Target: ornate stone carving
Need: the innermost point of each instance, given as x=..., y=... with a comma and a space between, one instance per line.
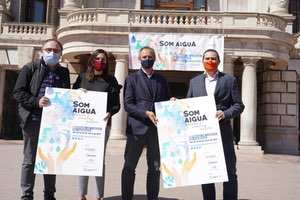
x=3, y=4
x=8, y=4
x=278, y=6
x=72, y=3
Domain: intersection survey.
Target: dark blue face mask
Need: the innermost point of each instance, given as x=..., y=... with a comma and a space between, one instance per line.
x=147, y=64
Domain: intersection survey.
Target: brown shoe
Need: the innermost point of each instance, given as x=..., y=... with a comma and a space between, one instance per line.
x=82, y=198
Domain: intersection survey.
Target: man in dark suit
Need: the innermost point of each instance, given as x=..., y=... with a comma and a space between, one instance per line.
x=142, y=89
x=229, y=105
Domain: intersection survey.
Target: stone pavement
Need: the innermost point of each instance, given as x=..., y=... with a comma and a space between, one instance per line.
x=261, y=177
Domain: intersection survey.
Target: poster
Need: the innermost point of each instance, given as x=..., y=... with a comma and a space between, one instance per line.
x=72, y=133
x=190, y=142
x=175, y=51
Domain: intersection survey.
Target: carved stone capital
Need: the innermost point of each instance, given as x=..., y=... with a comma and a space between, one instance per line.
x=121, y=57
x=250, y=61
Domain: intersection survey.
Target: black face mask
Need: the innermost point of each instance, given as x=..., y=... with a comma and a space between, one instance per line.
x=147, y=64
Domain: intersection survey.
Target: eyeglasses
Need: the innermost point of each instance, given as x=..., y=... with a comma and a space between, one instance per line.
x=49, y=50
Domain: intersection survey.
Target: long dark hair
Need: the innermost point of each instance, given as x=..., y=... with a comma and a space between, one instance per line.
x=90, y=74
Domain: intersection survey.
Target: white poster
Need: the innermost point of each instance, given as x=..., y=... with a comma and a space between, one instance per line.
x=190, y=142
x=175, y=51
x=72, y=133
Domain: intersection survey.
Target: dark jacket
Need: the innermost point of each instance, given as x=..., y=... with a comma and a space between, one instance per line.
x=227, y=97
x=28, y=85
x=110, y=85
x=138, y=100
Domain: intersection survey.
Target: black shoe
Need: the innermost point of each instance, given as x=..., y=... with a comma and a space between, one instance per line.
x=49, y=197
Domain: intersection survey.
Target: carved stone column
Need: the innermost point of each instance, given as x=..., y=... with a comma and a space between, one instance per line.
x=249, y=97
x=118, y=129
x=278, y=7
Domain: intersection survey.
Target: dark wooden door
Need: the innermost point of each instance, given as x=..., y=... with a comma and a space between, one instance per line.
x=10, y=124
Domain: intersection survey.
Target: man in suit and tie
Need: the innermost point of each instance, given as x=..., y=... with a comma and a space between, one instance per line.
x=141, y=90
x=229, y=105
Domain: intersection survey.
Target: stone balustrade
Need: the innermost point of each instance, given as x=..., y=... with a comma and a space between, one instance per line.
x=26, y=31
x=161, y=19
x=175, y=19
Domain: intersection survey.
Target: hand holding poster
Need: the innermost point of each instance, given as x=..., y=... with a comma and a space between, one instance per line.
x=190, y=142
x=72, y=133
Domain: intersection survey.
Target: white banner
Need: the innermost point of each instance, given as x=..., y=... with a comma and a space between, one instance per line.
x=72, y=133
x=190, y=142
x=177, y=51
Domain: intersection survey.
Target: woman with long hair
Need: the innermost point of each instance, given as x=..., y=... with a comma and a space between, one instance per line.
x=97, y=78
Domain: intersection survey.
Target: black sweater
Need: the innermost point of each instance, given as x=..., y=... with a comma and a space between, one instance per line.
x=110, y=85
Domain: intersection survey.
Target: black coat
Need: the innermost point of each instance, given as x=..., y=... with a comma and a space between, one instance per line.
x=28, y=85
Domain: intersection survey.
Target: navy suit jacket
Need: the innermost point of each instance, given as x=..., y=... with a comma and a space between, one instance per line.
x=138, y=99
x=227, y=96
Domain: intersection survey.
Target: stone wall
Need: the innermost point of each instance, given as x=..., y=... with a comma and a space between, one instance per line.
x=278, y=123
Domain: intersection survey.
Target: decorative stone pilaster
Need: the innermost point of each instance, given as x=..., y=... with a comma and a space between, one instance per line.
x=118, y=129
x=278, y=7
x=249, y=97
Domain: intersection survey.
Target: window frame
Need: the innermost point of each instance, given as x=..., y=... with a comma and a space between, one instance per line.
x=173, y=5
x=29, y=10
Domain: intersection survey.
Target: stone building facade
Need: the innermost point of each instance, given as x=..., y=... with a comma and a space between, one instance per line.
x=261, y=50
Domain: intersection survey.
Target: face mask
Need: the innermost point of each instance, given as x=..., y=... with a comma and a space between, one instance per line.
x=99, y=66
x=51, y=58
x=147, y=64
x=210, y=65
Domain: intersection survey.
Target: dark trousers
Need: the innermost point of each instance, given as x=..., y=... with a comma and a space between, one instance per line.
x=133, y=151
x=230, y=188
x=30, y=138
